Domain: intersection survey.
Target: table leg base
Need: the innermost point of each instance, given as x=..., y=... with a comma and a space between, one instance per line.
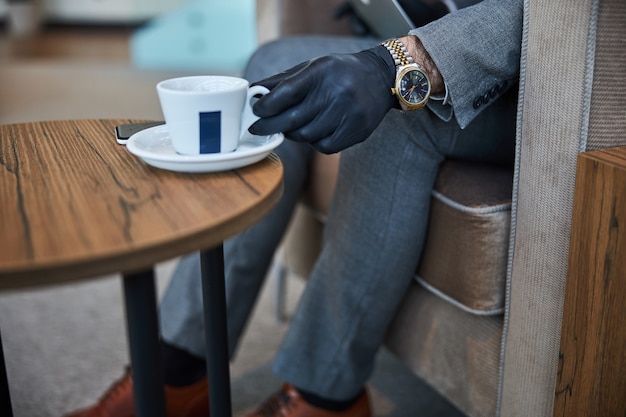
x=214, y=299
x=143, y=341
x=6, y=409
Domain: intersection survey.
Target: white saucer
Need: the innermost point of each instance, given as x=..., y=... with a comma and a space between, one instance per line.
x=154, y=146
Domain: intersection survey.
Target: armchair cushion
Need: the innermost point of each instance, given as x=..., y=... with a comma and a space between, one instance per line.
x=465, y=255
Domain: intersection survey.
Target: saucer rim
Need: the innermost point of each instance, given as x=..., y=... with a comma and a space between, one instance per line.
x=274, y=141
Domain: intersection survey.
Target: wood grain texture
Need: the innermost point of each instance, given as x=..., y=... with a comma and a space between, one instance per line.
x=592, y=365
x=75, y=204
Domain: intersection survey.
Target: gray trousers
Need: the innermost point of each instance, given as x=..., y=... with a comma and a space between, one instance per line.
x=373, y=239
x=247, y=256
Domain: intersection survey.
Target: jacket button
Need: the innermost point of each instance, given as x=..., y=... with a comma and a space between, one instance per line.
x=490, y=94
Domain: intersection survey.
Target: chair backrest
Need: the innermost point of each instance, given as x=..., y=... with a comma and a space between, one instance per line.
x=572, y=99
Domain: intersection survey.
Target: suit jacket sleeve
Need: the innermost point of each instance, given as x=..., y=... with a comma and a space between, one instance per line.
x=477, y=51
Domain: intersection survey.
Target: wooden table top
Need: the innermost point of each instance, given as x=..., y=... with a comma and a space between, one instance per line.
x=74, y=204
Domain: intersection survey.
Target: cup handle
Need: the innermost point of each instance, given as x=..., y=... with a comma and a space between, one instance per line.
x=248, y=117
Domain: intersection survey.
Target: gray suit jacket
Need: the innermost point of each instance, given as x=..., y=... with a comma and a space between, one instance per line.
x=477, y=51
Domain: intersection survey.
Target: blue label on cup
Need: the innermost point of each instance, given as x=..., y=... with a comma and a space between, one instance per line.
x=210, y=132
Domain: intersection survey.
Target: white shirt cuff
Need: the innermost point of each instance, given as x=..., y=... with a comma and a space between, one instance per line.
x=443, y=98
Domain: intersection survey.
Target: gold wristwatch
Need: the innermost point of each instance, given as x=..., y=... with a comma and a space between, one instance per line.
x=412, y=85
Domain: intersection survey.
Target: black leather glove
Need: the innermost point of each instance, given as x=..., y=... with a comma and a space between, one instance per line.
x=331, y=102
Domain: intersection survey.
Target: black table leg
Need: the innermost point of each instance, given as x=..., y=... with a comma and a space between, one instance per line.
x=6, y=409
x=214, y=296
x=143, y=340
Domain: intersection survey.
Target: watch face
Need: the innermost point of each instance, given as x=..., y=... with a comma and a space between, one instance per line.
x=414, y=87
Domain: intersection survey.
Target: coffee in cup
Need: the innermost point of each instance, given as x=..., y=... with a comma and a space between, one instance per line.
x=207, y=114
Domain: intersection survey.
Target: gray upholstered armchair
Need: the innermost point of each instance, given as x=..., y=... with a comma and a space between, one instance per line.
x=489, y=322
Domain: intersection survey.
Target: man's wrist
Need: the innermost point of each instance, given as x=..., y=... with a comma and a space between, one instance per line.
x=419, y=54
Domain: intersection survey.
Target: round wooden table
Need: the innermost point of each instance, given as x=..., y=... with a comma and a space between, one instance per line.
x=74, y=205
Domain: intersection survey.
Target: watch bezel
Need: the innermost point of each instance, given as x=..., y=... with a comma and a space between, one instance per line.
x=402, y=71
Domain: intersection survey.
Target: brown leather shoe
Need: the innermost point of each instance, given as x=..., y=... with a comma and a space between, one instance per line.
x=188, y=401
x=289, y=403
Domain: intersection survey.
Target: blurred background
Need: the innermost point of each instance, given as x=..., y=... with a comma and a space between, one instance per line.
x=59, y=54
x=112, y=52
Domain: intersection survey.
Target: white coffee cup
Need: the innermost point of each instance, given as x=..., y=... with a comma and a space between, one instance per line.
x=207, y=114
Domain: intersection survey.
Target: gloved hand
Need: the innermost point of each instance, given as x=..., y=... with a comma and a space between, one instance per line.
x=332, y=102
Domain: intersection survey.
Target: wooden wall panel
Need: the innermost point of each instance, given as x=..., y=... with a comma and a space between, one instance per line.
x=592, y=363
